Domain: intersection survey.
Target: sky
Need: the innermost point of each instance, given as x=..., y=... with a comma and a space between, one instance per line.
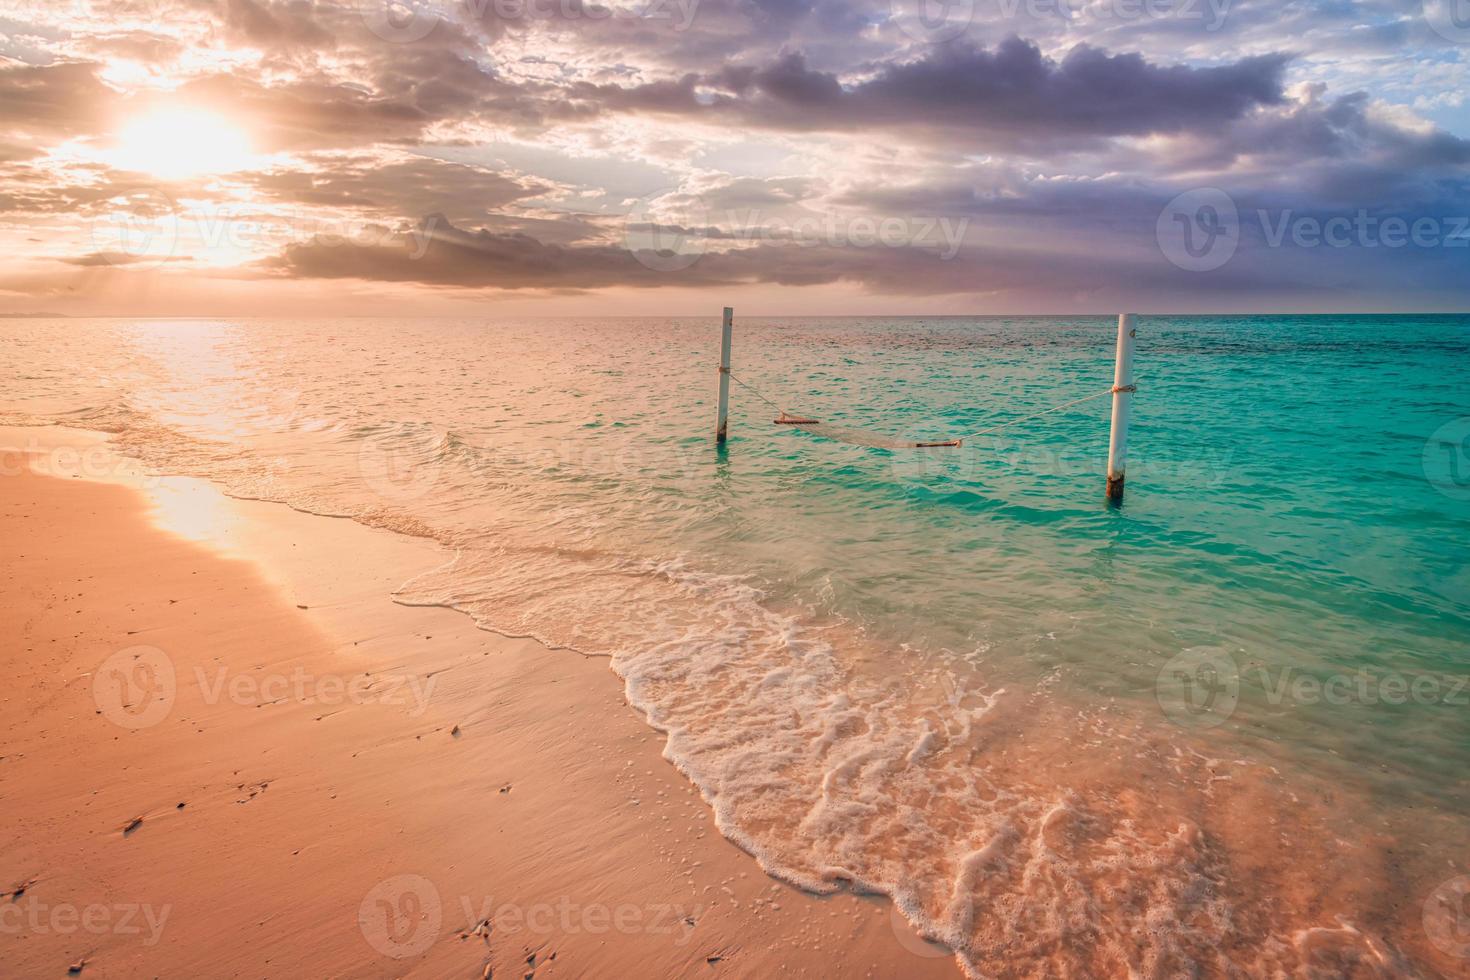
x=669, y=157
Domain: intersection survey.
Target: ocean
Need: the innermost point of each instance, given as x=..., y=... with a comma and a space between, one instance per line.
x=1221, y=730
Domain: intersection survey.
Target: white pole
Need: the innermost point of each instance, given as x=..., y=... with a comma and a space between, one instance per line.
x=723, y=424
x=1122, y=401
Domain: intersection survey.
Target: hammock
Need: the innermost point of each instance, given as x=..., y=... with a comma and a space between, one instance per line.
x=861, y=437
x=876, y=440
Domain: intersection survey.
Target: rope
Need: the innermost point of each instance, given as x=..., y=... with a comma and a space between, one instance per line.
x=752, y=390
x=796, y=421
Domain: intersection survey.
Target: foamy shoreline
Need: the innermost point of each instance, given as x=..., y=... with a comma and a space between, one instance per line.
x=458, y=800
x=363, y=784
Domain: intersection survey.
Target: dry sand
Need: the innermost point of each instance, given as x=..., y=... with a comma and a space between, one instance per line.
x=235, y=756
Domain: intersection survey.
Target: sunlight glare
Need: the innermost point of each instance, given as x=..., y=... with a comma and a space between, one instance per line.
x=183, y=142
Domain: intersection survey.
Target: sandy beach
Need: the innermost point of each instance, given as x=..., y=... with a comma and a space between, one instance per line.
x=746, y=488
x=313, y=670
x=228, y=753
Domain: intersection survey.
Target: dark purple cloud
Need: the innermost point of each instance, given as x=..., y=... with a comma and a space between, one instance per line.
x=1013, y=95
x=439, y=254
x=1062, y=150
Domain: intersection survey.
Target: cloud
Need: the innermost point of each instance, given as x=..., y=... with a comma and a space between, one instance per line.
x=63, y=99
x=435, y=253
x=96, y=259
x=83, y=192
x=736, y=120
x=1013, y=96
x=362, y=183
x=275, y=24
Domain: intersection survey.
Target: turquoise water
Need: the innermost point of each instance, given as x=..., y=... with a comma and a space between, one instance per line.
x=954, y=676
x=1285, y=500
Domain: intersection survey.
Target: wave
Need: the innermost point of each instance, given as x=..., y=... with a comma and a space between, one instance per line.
x=1028, y=834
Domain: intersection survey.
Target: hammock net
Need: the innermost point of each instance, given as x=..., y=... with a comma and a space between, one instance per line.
x=878, y=440
x=861, y=437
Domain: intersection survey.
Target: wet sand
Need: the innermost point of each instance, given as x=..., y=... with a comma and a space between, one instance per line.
x=226, y=752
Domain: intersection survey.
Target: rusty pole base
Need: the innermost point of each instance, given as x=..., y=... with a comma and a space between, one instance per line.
x=1115, y=490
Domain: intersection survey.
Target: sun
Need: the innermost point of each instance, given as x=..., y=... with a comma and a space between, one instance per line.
x=181, y=142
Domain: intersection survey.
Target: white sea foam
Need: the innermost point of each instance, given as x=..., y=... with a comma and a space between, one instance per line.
x=1032, y=832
